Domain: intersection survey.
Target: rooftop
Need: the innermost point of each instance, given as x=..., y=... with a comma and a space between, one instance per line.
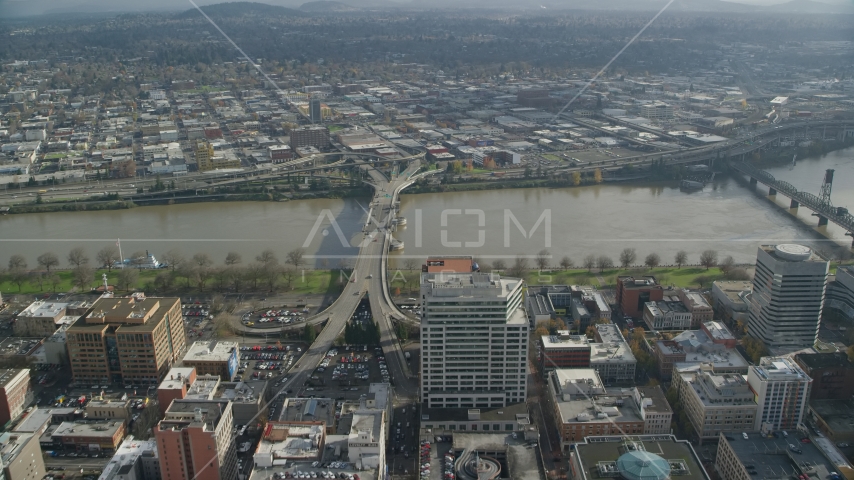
x=600, y=454
x=210, y=351
x=777, y=459
x=521, y=459
x=11, y=445
x=515, y=412
x=12, y=374
x=44, y=309
x=289, y=440
x=564, y=340
x=630, y=282
x=613, y=348
x=176, y=377
x=836, y=414
x=89, y=429
x=824, y=360
x=127, y=454
x=305, y=409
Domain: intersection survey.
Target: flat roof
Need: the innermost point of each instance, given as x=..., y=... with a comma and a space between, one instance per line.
x=97, y=429
x=294, y=410
x=11, y=445
x=777, y=459
x=9, y=375
x=291, y=440
x=34, y=420
x=44, y=309
x=521, y=459
x=513, y=412
x=594, y=451
x=210, y=351
x=836, y=414
x=176, y=377
x=824, y=360
x=127, y=454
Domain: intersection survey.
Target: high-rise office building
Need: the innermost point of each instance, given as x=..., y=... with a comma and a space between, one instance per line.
x=788, y=294
x=314, y=110
x=474, y=340
x=782, y=391
x=195, y=441
x=127, y=339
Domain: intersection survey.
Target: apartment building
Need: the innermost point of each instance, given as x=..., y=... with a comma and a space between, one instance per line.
x=213, y=358
x=666, y=315
x=563, y=351
x=126, y=340
x=584, y=407
x=782, y=392
x=134, y=460
x=15, y=393
x=612, y=356
x=633, y=293
x=832, y=374
x=195, y=441
x=20, y=456
x=474, y=340
x=788, y=295
x=656, y=111
x=309, y=136
x=716, y=403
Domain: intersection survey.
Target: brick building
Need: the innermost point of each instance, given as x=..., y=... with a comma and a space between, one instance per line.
x=15, y=393
x=633, y=293
x=832, y=374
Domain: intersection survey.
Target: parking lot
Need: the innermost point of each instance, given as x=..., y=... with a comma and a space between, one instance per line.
x=274, y=317
x=267, y=362
x=346, y=372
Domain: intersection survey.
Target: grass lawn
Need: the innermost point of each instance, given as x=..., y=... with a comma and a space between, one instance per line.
x=335, y=128
x=551, y=157
x=309, y=282
x=685, y=277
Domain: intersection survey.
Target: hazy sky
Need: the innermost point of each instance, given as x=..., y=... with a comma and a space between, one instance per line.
x=15, y=8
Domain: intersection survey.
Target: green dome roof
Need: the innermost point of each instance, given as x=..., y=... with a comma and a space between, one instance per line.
x=640, y=465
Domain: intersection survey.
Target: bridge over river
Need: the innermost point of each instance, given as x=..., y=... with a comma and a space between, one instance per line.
x=820, y=205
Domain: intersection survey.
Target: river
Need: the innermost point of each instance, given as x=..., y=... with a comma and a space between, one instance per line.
x=601, y=220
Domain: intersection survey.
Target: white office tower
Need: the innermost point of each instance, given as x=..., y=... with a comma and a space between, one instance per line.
x=782, y=391
x=474, y=340
x=788, y=293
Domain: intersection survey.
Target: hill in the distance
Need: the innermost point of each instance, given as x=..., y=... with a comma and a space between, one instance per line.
x=326, y=6
x=239, y=9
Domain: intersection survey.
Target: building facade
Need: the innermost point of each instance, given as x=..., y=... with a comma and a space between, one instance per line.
x=474, y=340
x=782, y=392
x=788, y=294
x=611, y=356
x=309, y=136
x=134, y=460
x=716, y=403
x=633, y=293
x=840, y=292
x=195, y=441
x=15, y=393
x=832, y=374
x=666, y=315
x=21, y=456
x=213, y=358
x=563, y=351
x=127, y=340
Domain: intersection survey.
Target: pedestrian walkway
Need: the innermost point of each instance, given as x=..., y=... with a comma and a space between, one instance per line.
x=601, y=280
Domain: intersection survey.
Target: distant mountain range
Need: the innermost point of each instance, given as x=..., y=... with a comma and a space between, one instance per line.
x=12, y=9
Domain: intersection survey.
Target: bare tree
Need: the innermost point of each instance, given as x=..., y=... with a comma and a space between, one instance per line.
x=186, y=270
x=589, y=262
x=54, y=281
x=267, y=257
x=107, y=256
x=18, y=276
x=221, y=277
x=235, y=276
x=202, y=260
x=82, y=277
x=604, y=262
x=727, y=264
x=681, y=258
x=48, y=260
x=295, y=257
x=566, y=263
x=77, y=256
x=628, y=257
x=709, y=258
x=499, y=265
x=38, y=278
x=543, y=257
x=288, y=275
x=254, y=272
x=163, y=281
x=127, y=278
x=17, y=262
x=519, y=268
x=410, y=264
x=202, y=275
x=652, y=260
x=233, y=258
x=173, y=258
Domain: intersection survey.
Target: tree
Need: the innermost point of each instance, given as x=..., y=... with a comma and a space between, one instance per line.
x=589, y=262
x=498, y=265
x=628, y=257
x=163, y=281
x=48, y=260
x=17, y=262
x=597, y=175
x=576, y=178
x=543, y=259
x=681, y=258
x=254, y=272
x=233, y=258
x=82, y=277
x=54, y=281
x=186, y=270
x=107, y=256
x=652, y=260
x=38, y=278
x=309, y=333
x=709, y=258
x=202, y=260
x=519, y=268
x=738, y=274
x=202, y=274
x=267, y=257
x=566, y=263
x=173, y=258
x=234, y=276
x=295, y=257
x=727, y=265
x=288, y=275
x=410, y=264
x=18, y=276
x=127, y=278
x=138, y=259
x=604, y=262
x=77, y=256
